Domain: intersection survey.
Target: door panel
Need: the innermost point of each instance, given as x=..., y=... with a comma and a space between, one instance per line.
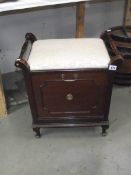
x=59, y=98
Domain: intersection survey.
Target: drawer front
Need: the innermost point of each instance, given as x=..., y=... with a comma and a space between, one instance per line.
x=69, y=94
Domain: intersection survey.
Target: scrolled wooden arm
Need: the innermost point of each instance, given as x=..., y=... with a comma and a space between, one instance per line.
x=31, y=37
x=117, y=59
x=21, y=62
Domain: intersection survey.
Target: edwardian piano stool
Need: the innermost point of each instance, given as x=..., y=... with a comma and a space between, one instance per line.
x=68, y=81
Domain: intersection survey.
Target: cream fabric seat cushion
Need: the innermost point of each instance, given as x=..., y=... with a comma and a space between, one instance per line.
x=68, y=54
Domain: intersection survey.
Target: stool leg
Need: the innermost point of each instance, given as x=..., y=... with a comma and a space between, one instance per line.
x=104, y=128
x=37, y=131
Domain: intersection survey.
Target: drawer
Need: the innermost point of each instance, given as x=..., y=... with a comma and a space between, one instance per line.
x=69, y=94
x=101, y=76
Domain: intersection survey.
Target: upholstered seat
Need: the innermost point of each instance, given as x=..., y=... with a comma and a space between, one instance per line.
x=68, y=54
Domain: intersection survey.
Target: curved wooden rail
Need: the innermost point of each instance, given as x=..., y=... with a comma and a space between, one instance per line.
x=21, y=62
x=117, y=59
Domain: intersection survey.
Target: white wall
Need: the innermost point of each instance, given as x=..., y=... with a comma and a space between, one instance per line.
x=53, y=23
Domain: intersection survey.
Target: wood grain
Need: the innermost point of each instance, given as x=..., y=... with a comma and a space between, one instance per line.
x=3, y=110
x=80, y=16
x=127, y=16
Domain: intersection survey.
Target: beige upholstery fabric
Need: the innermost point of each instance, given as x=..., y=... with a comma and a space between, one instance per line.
x=68, y=54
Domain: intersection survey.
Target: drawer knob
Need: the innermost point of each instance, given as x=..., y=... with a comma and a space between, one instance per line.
x=62, y=76
x=69, y=97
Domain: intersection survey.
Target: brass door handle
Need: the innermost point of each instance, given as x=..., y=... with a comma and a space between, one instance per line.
x=73, y=78
x=69, y=97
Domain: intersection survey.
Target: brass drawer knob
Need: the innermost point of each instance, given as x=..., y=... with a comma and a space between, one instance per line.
x=62, y=76
x=69, y=97
x=75, y=76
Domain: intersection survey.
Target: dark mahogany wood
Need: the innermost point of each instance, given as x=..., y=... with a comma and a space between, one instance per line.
x=37, y=131
x=67, y=98
x=122, y=42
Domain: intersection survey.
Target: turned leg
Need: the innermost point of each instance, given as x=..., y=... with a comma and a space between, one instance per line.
x=104, y=128
x=37, y=131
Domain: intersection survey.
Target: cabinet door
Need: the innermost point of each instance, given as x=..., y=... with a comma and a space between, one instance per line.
x=74, y=98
